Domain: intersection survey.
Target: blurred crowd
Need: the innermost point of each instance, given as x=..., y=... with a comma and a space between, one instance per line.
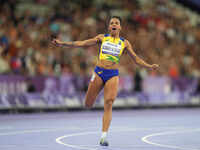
x=160, y=31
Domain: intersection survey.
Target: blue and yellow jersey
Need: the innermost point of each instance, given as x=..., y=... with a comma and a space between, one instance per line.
x=111, y=48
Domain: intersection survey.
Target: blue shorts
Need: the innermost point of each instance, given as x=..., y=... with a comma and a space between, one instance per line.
x=106, y=74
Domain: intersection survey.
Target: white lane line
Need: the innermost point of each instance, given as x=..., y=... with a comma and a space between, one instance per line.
x=58, y=140
x=120, y=129
x=145, y=139
x=78, y=128
x=36, y=131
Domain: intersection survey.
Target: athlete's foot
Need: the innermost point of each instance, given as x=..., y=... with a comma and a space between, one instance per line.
x=103, y=142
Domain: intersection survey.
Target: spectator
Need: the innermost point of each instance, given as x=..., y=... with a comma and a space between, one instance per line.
x=159, y=30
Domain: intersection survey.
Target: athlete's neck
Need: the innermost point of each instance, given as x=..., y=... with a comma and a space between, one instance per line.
x=114, y=35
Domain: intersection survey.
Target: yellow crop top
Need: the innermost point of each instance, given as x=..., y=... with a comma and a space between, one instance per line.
x=111, y=49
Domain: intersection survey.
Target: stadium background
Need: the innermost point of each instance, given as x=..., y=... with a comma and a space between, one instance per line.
x=35, y=75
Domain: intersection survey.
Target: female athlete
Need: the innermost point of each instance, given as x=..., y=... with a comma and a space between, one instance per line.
x=106, y=74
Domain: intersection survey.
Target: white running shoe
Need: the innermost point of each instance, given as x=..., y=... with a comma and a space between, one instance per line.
x=103, y=142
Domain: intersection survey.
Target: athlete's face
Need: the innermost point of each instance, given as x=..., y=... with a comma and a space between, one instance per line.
x=114, y=26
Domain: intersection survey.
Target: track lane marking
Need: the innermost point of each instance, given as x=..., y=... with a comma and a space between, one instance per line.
x=145, y=139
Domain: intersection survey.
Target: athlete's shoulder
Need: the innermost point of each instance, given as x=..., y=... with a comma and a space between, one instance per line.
x=99, y=37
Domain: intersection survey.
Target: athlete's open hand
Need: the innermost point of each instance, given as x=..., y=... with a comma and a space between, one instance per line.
x=154, y=66
x=57, y=42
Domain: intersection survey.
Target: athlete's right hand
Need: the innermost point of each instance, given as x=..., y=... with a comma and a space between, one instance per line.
x=154, y=66
x=57, y=42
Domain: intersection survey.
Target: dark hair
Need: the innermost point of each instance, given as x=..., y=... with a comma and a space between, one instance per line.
x=117, y=17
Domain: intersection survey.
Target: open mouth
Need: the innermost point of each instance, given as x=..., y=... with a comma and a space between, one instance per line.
x=114, y=29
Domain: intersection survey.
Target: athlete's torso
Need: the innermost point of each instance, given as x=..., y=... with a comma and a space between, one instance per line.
x=110, y=51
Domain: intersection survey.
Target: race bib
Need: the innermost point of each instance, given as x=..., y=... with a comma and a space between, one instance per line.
x=111, y=48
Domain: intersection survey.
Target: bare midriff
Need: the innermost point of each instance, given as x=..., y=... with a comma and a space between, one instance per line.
x=106, y=64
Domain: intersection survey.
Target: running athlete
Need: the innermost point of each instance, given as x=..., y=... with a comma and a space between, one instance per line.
x=106, y=74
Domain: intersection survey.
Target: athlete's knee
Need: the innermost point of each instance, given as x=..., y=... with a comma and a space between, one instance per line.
x=108, y=104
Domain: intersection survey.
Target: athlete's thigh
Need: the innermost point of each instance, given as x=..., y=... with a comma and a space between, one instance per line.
x=95, y=86
x=111, y=88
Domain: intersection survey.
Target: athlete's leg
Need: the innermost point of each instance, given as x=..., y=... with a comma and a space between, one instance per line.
x=95, y=86
x=110, y=93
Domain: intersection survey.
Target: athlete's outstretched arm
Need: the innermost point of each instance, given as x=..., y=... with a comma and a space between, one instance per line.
x=75, y=44
x=137, y=59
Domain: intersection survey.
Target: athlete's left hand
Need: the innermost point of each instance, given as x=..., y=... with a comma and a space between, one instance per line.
x=154, y=66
